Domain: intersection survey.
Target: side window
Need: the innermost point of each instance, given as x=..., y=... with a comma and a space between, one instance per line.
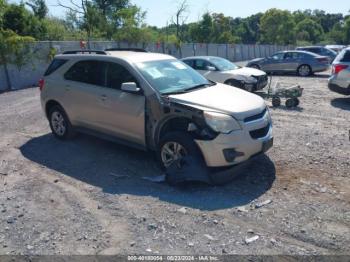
x=278, y=56
x=55, y=64
x=346, y=56
x=201, y=64
x=288, y=55
x=189, y=62
x=89, y=72
x=315, y=50
x=117, y=75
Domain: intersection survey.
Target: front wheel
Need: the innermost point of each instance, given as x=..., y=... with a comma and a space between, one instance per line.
x=173, y=150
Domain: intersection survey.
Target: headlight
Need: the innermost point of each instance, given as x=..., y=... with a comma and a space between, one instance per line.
x=221, y=123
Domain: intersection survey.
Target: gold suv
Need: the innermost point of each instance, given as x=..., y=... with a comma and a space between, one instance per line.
x=154, y=102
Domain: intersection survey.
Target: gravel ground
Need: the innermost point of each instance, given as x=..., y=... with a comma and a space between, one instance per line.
x=87, y=196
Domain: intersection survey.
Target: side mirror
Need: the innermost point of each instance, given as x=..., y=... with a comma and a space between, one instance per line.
x=130, y=87
x=210, y=68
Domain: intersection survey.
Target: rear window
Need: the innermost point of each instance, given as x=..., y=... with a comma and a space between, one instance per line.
x=346, y=56
x=55, y=64
x=87, y=71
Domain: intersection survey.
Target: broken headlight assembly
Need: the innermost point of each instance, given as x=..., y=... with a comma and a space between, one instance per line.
x=221, y=123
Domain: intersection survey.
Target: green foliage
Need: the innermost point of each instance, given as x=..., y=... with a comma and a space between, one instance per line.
x=309, y=30
x=39, y=8
x=14, y=49
x=277, y=26
x=121, y=21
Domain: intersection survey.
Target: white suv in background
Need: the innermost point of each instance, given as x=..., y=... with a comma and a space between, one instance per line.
x=221, y=70
x=155, y=102
x=340, y=80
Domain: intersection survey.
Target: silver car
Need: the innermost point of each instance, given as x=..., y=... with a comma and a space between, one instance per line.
x=301, y=62
x=340, y=80
x=320, y=50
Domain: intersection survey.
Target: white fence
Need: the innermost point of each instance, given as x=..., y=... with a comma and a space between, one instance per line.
x=29, y=74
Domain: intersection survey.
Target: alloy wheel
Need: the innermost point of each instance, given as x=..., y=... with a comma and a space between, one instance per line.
x=172, y=152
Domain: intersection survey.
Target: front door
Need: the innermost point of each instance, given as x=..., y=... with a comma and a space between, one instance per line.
x=121, y=113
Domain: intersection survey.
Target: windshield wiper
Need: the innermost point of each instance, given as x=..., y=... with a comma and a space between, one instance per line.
x=199, y=86
x=189, y=89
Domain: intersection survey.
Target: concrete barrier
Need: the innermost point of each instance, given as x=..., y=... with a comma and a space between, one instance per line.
x=30, y=74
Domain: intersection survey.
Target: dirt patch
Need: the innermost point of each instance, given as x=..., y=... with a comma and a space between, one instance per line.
x=87, y=196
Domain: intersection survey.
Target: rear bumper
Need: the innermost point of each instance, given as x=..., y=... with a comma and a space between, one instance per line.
x=320, y=68
x=338, y=89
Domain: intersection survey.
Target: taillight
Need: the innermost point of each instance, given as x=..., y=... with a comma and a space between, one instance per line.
x=337, y=68
x=41, y=84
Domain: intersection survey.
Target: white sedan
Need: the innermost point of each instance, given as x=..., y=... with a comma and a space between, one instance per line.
x=220, y=70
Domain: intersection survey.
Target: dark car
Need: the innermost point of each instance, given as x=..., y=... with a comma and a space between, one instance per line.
x=301, y=62
x=320, y=50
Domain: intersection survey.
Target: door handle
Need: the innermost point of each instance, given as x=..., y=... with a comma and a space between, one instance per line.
x=67, y=87
x=103, y=97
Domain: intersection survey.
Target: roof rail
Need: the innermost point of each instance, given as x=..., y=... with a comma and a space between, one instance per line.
x=98, y=52
x=127, y=49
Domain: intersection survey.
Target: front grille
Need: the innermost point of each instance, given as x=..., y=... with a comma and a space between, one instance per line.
x=255, y=117
x=259, y=133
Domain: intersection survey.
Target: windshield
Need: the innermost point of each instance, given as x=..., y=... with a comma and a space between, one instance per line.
x=171, y=76
x=223, y=64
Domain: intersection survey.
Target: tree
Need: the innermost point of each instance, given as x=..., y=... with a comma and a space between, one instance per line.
x=309, y=30
x=39, y=8
x=14, y=49
x=180, y=19
x=277, y=27
x=201, y=32
x=347, y=31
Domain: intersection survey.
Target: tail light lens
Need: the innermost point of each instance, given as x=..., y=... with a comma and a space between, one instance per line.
x=41, y=84
x=337, y=68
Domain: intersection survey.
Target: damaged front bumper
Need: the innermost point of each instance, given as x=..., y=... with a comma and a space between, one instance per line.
x=238, y=146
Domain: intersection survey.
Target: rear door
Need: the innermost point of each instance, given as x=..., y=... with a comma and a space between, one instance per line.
x=82, y=84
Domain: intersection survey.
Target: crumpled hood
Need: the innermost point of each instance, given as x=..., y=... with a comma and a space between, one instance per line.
x=246, y=71
x=223, y=98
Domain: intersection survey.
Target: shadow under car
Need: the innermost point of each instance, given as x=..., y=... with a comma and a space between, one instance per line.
x=100, y=163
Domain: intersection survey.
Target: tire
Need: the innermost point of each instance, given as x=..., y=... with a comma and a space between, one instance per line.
x=276, y=101
x=188, y=149
x=304, y=70
x=296, y=101
x=60, y=124
x=290, y=103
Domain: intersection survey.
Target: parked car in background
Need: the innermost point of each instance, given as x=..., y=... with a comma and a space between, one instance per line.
x=154, y=102
x=221, y=70
x=340, y=80
x=320, y=50
x=336, y=48
x=301, y=62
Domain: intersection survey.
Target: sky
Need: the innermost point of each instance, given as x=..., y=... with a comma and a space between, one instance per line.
x=159, y=12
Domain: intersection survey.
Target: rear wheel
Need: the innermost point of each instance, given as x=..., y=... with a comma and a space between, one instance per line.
x=304, y=70
x=60, y=124
x=290, y=103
